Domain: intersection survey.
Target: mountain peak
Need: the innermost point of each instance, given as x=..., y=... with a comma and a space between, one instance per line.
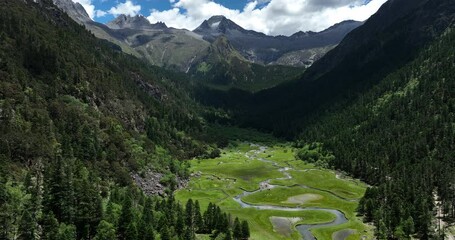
x=217, y=25
x=75, y=10
x=134, y=22
x=217, y=18
x=344, y=24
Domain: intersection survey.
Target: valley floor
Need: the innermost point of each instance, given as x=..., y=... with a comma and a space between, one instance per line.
x=280, y=197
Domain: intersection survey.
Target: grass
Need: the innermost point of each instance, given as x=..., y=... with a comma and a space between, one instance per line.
x=220, y=180
x=323, y=179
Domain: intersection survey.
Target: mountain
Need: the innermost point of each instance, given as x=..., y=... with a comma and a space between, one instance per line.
x=220, y=25
x=384, y=43
x=161, y=46
x=156, y=43
x=190, y=51
x=223, y=67
x=75, y=10
x=133, y=33
x=304, y=47
x=137, y=22
x=186, y=51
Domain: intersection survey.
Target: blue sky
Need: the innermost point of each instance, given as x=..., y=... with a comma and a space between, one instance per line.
x=148, y=5
x=273, y=17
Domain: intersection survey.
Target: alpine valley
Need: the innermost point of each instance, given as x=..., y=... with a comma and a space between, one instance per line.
x=136, y=130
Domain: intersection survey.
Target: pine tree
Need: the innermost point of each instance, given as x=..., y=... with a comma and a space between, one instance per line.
x=88, y=207
x=180, y=225
x=198, y=222
x=131, y=232
x=189, y=215
x=189, y=234
x=126, y=217
x=245, y=230
x=27, y=226
x=382, y=231
x=109, y=214
x=408, y=226
x=149, y=233
x=105, y=231
x=147, y=213
x=164, y=233
x=4, y=198
x=66, y=232
x=228, y=235
x=237, y=232
x=49, y=226
x=146, y=224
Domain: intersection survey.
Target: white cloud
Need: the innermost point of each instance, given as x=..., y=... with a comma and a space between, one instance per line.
x=276, y=17
x=100, y=13
x=127, y=8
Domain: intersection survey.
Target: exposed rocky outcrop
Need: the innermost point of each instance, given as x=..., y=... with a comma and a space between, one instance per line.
x=135, y=22
x=75, y=10
x=150, y=183
x=150, y=89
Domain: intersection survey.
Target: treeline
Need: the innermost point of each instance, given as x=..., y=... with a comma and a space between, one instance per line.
x=400, y=137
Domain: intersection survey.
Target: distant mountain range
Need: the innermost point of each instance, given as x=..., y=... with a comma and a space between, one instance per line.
x=189, y=51
x=157, y=43
x=300, y=49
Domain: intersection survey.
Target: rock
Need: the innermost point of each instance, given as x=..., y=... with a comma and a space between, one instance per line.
x=150, y=183
x=150, y=89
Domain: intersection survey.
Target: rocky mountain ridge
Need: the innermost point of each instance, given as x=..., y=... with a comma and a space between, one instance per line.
x=135, y=22
x=132, y=33
x=263, y=49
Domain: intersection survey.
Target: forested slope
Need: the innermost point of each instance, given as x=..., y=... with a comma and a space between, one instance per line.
x=386, y=42
x=382, y=102
x=400, y=136
x=77, y=118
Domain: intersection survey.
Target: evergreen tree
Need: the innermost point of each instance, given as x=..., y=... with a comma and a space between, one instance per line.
x=105, y=231
x=198, y=222
x=146, y=224
x=109, y=214
x=188, y=235
x=228, y=235
x=88, y=204
x=408, y=226
x=237, y=231
x=49, y=226
x=164, y=233
x=147, y=213
x=245, y=230
x=131, y=232
x=126, y=217
x=149, y=233
x=66, y=232
x=382, y=231
x=189, y=215
x=27, y=226
x=180, y=224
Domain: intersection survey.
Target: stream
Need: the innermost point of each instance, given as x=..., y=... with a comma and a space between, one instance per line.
x=304, y=229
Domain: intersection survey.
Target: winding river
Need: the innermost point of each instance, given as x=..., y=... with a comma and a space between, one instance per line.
x=304, y=229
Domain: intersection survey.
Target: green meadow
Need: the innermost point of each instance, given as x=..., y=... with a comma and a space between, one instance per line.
x=243, y=166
